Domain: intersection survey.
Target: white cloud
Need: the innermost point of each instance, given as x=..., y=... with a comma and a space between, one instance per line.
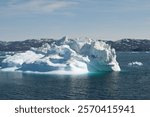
x=35, y=6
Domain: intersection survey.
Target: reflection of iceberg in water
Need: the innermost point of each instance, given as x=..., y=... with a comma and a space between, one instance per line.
x=65, y=56
x=104, y=85
x=11, y=75
x=81, y=88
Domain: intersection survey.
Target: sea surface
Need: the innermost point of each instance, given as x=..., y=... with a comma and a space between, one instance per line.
x=133, y=82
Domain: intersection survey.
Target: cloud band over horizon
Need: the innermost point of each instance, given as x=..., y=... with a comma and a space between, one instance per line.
x=106, y=19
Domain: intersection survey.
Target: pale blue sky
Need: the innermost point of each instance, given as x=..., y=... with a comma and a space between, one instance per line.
x=100, y=19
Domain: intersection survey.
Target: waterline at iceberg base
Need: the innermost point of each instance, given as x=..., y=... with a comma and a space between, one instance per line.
x=64, y=56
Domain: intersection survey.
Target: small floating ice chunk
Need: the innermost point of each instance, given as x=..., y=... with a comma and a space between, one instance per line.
x=136, y=63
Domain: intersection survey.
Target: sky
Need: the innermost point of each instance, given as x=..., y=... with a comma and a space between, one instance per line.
x=97, y=19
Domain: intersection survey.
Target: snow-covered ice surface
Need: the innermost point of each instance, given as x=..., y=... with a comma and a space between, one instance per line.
x=65, y=56
x=136, y=63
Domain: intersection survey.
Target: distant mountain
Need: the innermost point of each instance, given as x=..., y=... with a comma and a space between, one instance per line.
x=120, y=45
x=130, y=45
x=22, y=45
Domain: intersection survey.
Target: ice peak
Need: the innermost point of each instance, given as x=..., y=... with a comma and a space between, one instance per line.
x=65, y=38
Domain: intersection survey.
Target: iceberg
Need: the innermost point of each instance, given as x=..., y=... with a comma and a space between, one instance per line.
x=65, y=56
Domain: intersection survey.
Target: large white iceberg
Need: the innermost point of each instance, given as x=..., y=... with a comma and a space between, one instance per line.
x=65, y=56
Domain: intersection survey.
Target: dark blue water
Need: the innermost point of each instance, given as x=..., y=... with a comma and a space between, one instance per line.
x=133, y=82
